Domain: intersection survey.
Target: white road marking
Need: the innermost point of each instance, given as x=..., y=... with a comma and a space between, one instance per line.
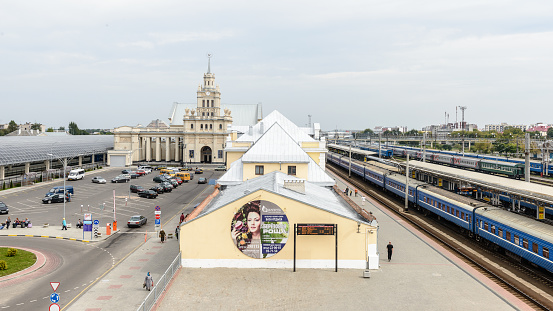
x=33, y=300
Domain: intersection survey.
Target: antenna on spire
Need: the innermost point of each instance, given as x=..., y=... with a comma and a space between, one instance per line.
x=209, y=56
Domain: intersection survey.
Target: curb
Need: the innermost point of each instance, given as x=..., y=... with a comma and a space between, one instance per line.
x=59, y=237
x=37, y=265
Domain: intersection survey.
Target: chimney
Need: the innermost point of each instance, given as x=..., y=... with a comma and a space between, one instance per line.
x=296, y=185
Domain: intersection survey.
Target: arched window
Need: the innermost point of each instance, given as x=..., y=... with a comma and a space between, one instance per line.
x=203, y=102
x=220, y=126
x=211, y=126
x=201, y=126
x=192, y=126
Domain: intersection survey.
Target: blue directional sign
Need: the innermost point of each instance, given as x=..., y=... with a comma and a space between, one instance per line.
x=55, y=297
x=158, y=221
x=96, y=222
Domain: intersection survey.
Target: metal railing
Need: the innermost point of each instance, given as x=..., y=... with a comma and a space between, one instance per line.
x=161, y=285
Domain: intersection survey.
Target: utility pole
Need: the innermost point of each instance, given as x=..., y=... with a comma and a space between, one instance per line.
x=349, y=169
x=424, y=147
x=407, y=184
x=527, y=157
x=379, y=144
x=463, y=108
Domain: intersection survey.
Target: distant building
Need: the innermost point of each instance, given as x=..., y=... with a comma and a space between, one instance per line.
x=444, y=130
x=539, y=127
x=382, y=129
x=503, y=126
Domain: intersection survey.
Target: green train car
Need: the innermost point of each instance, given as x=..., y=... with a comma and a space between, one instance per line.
x=513, y=170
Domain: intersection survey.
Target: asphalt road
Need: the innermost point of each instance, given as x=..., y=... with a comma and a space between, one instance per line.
x=76, y=265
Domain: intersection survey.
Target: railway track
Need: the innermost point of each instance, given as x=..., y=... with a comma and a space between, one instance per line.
x=542, y=181
x=510, y=281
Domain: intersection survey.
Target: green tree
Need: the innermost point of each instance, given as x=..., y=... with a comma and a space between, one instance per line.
x=550, y=132
x=50, y=129
x=12, y=126
x=368, y=132
x=412, y=132
x=62, y=128
x=36, y=126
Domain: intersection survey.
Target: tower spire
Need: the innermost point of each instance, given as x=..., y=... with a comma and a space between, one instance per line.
x=209, y=55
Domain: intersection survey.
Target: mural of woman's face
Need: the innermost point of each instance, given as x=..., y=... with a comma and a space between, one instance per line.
x=254, y=222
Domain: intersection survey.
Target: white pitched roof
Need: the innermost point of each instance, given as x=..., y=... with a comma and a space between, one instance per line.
x=275, y=146
x=234, y=175
x=275, y=117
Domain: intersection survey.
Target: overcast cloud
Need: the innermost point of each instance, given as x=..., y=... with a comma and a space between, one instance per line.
x=350, y=64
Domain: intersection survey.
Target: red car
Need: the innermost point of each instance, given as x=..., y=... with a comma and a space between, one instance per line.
x=179, y=180
x=141, y=172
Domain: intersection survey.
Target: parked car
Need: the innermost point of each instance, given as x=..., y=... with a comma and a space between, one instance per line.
x=150, y=194
x=134, y=175
x=127, y=176
x=136, y=189
x=178, y=180
x=141, y=172
x=126, y=171
x=202, y=180
x=4, y=208
x=185, y=168
x=59, y=189
x=148, y=169
x=157, y=188
x=53, y=198
x=167, y=187
x=137, y=221
x=221, y=168
x=173, y=182
x=160, y=178
x=98, y=180
x=119, y=179
x=199, y=171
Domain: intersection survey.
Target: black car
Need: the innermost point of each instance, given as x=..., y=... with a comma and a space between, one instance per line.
x=136, y=189
x=157, y=188
x=118, y=179
x=4, y=208
x=53, y=198
x=160, y=178
x=150, y=194
x=134, y=174
x=126, y=171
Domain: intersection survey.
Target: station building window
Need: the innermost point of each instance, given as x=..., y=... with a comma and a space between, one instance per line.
x=192, y=126
x=201, y=126
x=220, y=126
x=259, y=170
x=292, y=170
x=211, y=126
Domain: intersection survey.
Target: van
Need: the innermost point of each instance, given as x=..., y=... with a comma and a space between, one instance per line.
x=183, y=175
x=169, y=171
x=59, y=189
x=148, y=169
x=76, y=174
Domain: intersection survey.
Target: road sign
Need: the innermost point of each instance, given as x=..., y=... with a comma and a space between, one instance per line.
x=87, y=216
x=158, y=222
x=158, y=208
x=54, y=285
x=158, y=216
x=157, y=212
x=96, y=222
x=55, y=297
x=54, y=307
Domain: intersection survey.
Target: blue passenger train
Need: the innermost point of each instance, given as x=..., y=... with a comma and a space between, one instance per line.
x=524, y=238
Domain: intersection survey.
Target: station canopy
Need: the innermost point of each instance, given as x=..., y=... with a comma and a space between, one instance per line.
x=23, y=149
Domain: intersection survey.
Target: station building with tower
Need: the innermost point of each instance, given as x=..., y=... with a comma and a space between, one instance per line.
x=276, y=207
x=196, y=133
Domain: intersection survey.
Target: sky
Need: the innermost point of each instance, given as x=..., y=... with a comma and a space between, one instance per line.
x=349, y=64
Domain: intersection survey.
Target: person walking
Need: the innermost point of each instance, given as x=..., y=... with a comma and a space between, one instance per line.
x=148, y=282
x=181, y=217
x=355, y=192
x=177, y=232
x=63, y=224
x=390, y=248
x=162, y=235
x=8, y=221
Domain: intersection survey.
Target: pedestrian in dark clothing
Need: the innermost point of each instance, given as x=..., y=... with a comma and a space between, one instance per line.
x=390, y=248
x=347, y=191
x=8, y=221
x=355, y=192
x=162, y=235
x=181, y=217
x=177, y=232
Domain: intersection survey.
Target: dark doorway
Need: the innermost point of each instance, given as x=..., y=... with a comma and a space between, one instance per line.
x=205, y=155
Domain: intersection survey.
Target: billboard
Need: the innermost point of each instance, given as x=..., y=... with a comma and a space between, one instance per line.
x=259, y=229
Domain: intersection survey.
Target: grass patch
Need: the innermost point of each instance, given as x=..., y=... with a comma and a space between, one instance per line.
x=22, y=260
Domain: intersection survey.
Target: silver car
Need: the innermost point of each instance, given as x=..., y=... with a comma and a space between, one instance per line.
x=98, y=180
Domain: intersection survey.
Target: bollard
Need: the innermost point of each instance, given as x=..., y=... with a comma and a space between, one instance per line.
x=108, y=229
x=114, y=225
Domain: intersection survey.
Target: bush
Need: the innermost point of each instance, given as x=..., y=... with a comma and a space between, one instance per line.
x=11, y=252
x=3, y=265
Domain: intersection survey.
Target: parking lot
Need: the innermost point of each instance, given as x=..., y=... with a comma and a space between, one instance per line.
x=99, y=199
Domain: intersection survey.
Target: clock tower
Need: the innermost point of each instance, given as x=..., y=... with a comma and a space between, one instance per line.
x=209, y=96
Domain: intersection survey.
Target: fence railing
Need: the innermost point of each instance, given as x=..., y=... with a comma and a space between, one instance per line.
x=36, y=177
x=161, y=285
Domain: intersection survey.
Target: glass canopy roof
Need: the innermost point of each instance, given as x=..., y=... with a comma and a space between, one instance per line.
x=22, y=149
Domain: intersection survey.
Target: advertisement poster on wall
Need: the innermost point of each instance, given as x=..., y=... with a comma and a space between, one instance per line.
x=260, y=229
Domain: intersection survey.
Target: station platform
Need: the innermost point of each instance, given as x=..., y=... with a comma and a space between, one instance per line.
x=421, y=276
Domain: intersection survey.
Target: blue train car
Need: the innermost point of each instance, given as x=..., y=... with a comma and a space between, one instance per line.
x=396, y=183
x=524, y=237
x=443, y=204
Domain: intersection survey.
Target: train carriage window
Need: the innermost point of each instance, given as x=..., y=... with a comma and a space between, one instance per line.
x=535, y=247
x=452, y=211
x=486, y=226
x=493, y=229
x=508, y=235
x=525, y=243
x=457, y=213
x=500, y=232
x=462, y=215
x=517, y=241
x=546, y=252
x=448, y=209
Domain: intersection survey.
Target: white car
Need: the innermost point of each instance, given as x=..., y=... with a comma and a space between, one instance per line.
x=98, y=180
